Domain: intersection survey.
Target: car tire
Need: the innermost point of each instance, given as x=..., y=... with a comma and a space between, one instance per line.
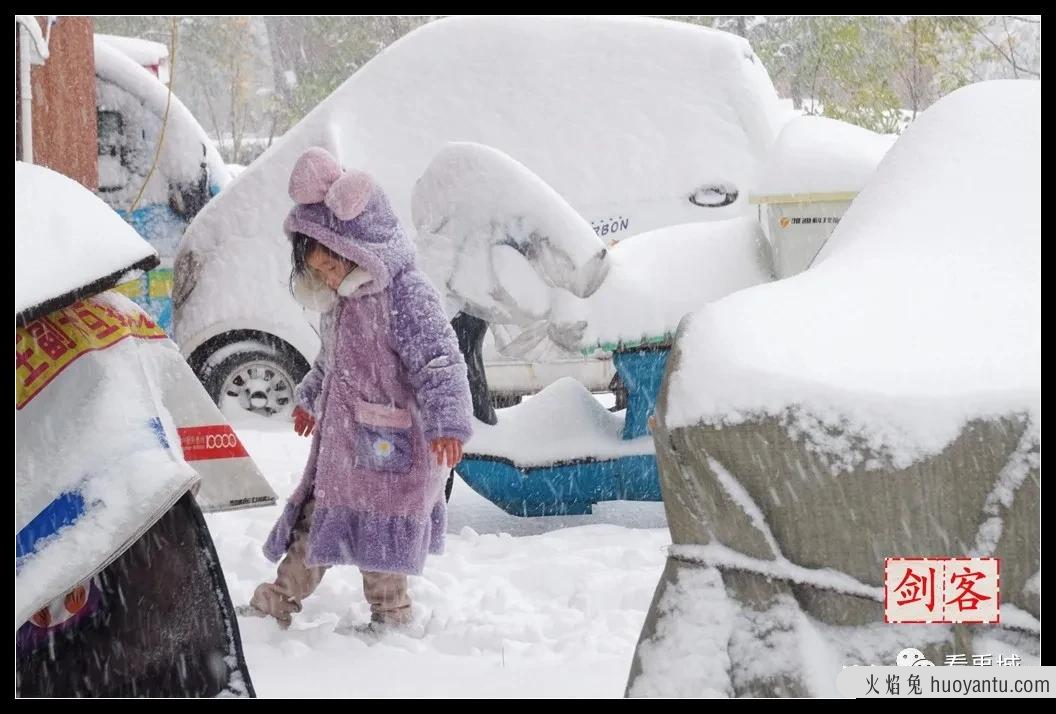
x=260, y=376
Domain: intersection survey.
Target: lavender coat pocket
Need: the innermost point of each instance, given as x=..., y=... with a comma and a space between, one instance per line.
x=383, y=437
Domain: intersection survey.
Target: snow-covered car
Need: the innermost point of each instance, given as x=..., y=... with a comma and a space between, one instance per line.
x=636, y=123
x=150, y=55
x=135, y=114
x=118, y=450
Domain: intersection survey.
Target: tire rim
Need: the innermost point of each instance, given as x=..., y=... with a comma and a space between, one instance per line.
x=261, y=387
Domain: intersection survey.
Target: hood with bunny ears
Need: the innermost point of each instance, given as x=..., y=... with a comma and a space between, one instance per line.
x=348, y=213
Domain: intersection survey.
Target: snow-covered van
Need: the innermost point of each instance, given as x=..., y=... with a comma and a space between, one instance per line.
x=636, y=123
x=158, y=192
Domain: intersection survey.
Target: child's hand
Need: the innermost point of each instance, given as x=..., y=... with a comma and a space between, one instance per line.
x=447, y=450
x=303, y=422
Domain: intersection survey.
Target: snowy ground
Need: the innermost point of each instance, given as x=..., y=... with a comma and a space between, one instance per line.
x=516, y=607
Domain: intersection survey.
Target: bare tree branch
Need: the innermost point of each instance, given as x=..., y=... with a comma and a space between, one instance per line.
x=1011, y=48
x=1015, y=67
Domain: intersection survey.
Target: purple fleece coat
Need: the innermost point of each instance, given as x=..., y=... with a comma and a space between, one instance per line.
x=389, y=380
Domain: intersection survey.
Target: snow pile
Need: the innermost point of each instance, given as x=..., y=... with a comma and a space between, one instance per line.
x=143, y=52
x=563, y=422
x=820, y=155
x=57, y=251
x=657, y=278
x=922, y=311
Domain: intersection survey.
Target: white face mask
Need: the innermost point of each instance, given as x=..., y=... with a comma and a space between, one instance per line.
x=312, y=293
x=354, y=281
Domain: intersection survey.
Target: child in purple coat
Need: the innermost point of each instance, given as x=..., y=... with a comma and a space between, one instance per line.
x=388, y=400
